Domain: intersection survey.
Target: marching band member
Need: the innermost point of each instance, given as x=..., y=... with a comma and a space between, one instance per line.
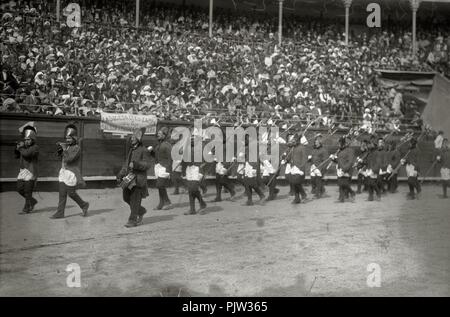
x=297, y=158
x=344, y=160
x=163, y=166
x=177, y=172
x=361, y=166
x=318, y=155
x=269, y=175
x=251, y=172
x=412, y=170
x=135, y=168
x=443, y=159
x=287, y=165
x=240, y=171
x=205, y=167
x=176, y=176
x=222, y=170
x=70, y=175
x=193, y=175
x=382, y=158
x=393, y=159
x=373, y=163
x=27, y=151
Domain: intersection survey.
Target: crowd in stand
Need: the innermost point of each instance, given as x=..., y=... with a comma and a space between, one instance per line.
x=172, y=69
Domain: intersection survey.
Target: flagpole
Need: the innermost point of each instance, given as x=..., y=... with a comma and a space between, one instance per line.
x=414, y=7
x=347, y=4
x=280, y=21
x=58, y=9
x=137, y=13
x=211, y=5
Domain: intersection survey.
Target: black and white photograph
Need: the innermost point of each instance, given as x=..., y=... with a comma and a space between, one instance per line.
x=225, y=148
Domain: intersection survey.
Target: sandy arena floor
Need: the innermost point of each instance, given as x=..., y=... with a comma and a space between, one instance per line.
x=317, y=248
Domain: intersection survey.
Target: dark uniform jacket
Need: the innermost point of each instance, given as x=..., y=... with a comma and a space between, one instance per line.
x=140, y=157
x=393, y=158
x=71, y=159
x=29, y=158
x=298, y=157
x=252, y=181
x=444, y=153
x=374, y=161
x=363, y=155
x=345, y=159
x=412, y=157
x=382, y=158
x=163, y=155
x=319, y=155
x=284, y=150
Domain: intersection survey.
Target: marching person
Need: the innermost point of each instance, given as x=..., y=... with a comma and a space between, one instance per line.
x=176, y=176
x=318, y=155
x=163, y=166
x=393, y=159
x=344, y=160
x=133, y=177
x=70, y=175
x=203, y=183
x=222, y=171
x=177, y=171
x=297, y=159
x=269, y=175
x=192, y=173
x=443, y=159
x=410, y=161
x=240, y=171
x=205, y=169
x=373, y=162
x=252, y=171
x=287, y=165
x=382, y=160
x=361, y=162
x=27, y=151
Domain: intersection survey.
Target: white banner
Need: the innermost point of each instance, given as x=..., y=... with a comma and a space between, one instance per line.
x=125, y=123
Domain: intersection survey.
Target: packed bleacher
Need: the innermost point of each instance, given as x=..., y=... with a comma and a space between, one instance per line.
x=171, y=68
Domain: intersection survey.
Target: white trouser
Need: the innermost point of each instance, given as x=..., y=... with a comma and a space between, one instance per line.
x=287, y=171
x=193, y=173
x=411, y=170
x=371, y=174
x=340, y=173
x=67, y=177
x=445, y=173
x=315, y=171
x=249, y=170
x=160, y=171
x=296, y=171
x=25, y=175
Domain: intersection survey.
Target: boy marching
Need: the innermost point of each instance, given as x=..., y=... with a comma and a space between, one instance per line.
x=27, y=151
x=70, y=175
x=318, y=155
x=134, y=171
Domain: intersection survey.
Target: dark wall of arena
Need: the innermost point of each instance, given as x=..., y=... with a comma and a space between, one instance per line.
x=103, y=154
